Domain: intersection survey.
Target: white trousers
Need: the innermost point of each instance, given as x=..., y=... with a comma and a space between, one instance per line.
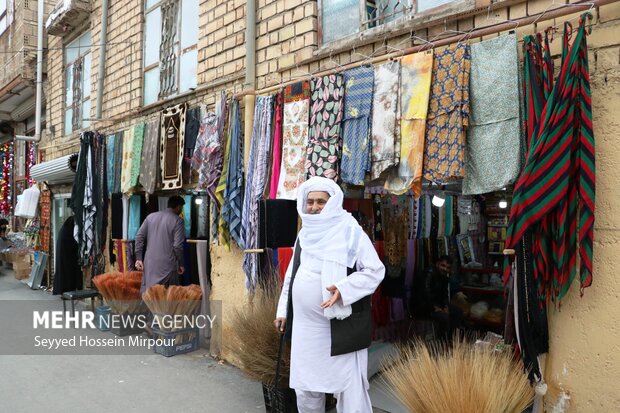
x=354, y=399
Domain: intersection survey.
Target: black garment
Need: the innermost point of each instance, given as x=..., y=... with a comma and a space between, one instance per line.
x=68, y=274
x=436, y=289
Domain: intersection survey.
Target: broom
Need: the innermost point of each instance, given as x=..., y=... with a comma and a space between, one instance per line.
x=174, y=300
x=461, y=379
x=121, y=291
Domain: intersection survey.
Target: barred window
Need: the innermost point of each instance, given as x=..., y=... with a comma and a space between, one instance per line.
x=77, y=64
x=170, y=48
x=341, y=18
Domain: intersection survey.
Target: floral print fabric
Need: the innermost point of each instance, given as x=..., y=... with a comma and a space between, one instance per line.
x=448, y=114
x=416, y=73
x=385, y=118
x=324, y=138
x=296, y=112
x=494, y=135
x=355, y=162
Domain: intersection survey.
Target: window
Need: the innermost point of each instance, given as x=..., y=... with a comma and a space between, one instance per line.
x=77, y=83
x=170, y=48
x=340, y=18
x=6, y=14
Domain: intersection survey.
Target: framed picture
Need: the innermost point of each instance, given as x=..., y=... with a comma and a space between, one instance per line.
x=466, y=250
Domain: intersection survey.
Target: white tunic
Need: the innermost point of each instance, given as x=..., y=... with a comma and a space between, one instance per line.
x=312, y=366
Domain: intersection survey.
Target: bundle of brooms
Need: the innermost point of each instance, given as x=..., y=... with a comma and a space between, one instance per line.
x=174, y=300
x=459, y=379
x=121, y=291
x=254, y=341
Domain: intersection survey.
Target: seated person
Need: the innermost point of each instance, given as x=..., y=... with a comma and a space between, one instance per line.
x=4, y=241
x=437, y=289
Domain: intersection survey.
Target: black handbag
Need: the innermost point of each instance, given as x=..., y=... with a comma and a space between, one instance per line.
x=348, y=335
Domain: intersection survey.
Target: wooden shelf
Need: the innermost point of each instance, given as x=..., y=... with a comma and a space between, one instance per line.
x=482, y=290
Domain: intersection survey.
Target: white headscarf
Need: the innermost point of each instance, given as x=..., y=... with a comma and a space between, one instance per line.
x=331, y=236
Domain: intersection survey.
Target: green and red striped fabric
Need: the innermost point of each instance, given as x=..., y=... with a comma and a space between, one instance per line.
x=554, y=195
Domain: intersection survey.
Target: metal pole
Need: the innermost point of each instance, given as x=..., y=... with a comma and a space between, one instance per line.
x=39, y=87
x=102, y=54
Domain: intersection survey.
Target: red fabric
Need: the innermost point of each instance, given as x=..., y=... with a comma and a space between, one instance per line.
x=285, y=255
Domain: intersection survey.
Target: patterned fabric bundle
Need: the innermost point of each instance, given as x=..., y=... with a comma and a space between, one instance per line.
x=255, y=184
x=229, y=189
x=448, y=114
x=554, y=195
x=127, y=160
x=416, y=71
x=110, y=162
x=276, y=159
x=171, y=146
x=324, y=138
x=150, y=167
x=385, y=118
x=118, y=160
x=359, y=83
x=494, y=134
x=294, y=140
x=138, y=141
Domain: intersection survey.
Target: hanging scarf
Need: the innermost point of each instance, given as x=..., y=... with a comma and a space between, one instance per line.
x=494, y=134
x=171, y=146
x=359, y=84
x=128, y=136
x=255, y=184
x=229, y=189
x=110, y=162
x=331, y=237
x=416, y=73
x=324, y=138
x=385, y=118
x=554, y=195
x=294, y=140
x=448, y=113
x=118, y=160
x=136, y=155
x=149, y=166
x=276, y=160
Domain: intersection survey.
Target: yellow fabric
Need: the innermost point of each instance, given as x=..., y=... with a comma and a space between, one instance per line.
x=127, y=160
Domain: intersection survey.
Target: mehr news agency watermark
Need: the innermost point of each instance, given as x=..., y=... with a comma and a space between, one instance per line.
x=61, y=320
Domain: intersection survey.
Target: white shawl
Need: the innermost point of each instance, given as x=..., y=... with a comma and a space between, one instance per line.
x=331, y=236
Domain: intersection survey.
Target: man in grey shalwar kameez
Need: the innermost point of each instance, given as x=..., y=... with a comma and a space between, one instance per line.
x=162, y=235
x=331, y=240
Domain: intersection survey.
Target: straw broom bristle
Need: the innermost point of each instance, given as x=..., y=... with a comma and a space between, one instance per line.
x=254, y=341
x=462, y=379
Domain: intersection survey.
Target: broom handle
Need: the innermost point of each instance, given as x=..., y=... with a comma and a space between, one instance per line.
x=280, y=348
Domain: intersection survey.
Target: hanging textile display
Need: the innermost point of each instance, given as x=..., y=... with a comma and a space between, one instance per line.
x=494, y=135
x=416, y=73
x=276, y=158
x=187, y=215
x=118, y=160
x=295, y=139
x=385, y=118
x=192, y=126
x=209, y=155
x=150, y=165
x=255, y=184
x=82, y=200
x=448, y=112
x=127, y=160
x=560, y=157
x=111, y=152
x=171, y=146
x=45, y=205
x=359, y=83
x=324, y=134
x=138, y=141
x=6, y=151
x=229, y=189
x=117, y=216
x=137, y=206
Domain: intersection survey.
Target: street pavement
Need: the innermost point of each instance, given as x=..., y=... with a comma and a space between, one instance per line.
x=193, y=382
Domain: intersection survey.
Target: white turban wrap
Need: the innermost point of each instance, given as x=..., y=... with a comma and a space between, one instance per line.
x=331, y=237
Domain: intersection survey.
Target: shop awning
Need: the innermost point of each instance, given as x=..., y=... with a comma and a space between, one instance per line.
x=56, y=171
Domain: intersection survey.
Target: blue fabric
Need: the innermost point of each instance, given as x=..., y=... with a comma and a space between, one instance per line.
x=359, y=84
x=233, y=194
x=134, y=217
x=110, y=164
x=187, y=215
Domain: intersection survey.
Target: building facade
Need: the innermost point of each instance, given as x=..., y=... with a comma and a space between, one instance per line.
x=160, y=53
